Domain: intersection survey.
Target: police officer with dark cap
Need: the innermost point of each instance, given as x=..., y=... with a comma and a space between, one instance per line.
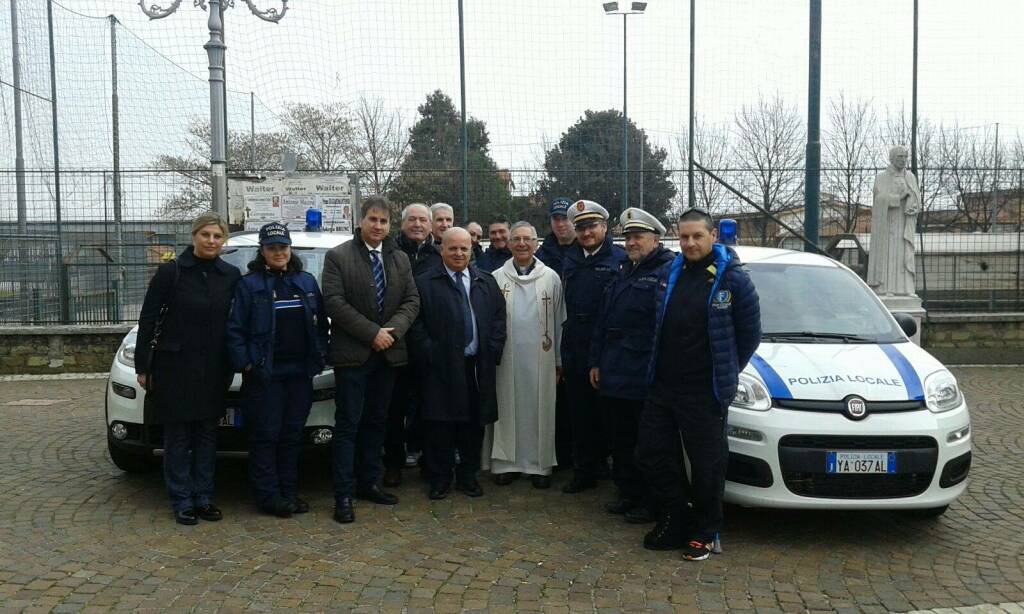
x=277, y=337
x=589, y=267
x=621, y=352
x=562, y=237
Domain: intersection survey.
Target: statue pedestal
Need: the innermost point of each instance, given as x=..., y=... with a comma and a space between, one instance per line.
x=908, y=304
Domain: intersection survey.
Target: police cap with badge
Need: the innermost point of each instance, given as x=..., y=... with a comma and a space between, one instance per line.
x=638, y=220
x=585, y=213
x=559, y=207
x=275, y=232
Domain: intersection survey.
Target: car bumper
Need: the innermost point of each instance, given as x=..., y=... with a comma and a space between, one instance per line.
x=777, y=459
x=124, y=416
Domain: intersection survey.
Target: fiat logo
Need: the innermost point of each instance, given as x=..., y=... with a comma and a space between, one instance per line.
x=856, y=408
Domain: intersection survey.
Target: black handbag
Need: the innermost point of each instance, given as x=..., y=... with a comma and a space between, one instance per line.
x=158, y=328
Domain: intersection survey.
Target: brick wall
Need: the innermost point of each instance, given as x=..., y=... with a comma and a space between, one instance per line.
x=975, y=338
x=59, y=349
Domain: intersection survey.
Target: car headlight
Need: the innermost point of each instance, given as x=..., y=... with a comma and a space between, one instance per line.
x=752, y=394
x=126, y=355
x=941, y=392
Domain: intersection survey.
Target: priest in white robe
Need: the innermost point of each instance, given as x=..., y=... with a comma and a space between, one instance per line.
x=522, y=441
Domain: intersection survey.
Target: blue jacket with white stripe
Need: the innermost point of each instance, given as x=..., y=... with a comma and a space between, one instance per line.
x=734, y=320
x=250, y=330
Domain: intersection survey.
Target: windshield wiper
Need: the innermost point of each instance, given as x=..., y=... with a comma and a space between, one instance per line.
x=806, y=334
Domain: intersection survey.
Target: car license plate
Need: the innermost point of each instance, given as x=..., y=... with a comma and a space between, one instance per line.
x=860, y=462
x=232, y=417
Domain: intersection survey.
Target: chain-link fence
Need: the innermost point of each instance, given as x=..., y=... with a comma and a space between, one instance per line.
x=369, y=92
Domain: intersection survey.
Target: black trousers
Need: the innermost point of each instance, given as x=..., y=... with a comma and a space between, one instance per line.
x=442, y=438
x=622, y=419
x=402, y=430
x=589, y=438
x=699, y=420
x=563, y=427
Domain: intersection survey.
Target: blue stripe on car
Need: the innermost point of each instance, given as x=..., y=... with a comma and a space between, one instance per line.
x=910, y=379
x=776, y=387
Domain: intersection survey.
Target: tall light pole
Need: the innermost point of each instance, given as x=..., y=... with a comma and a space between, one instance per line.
x=635, y=8
x=215, y=48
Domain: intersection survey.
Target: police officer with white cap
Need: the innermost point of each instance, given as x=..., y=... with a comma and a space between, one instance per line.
x=589, y=267
x=620, y=353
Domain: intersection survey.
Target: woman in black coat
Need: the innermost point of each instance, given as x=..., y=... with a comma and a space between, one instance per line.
x=182, y=361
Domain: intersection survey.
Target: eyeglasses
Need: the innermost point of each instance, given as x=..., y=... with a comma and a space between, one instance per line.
x=522, y=239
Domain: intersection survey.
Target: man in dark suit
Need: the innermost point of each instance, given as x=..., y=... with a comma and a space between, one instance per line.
x=371, y=299
x=456, y=344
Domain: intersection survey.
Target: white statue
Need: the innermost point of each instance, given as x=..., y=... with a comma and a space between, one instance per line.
x=895, y=205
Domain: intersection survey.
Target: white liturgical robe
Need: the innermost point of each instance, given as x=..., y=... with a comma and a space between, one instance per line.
x=523, y=438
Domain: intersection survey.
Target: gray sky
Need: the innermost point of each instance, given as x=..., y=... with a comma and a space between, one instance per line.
x=533, y=66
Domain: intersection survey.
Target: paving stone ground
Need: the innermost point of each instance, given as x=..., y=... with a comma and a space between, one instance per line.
x=77, y=534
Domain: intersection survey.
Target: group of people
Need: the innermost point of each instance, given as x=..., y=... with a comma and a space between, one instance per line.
x=514, y=359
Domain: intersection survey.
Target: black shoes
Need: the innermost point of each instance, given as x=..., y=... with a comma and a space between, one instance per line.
x=438, y=492
x=282, y=508
x=579, y=484
x=619, y=506
x=301, y=507
x=667, y=534
x=343, y=511
x=393, y=477
x=374, y=494
x=504, y=479
x=209, y=512
x=186, y=516
x=470, y=487
x=541, y=481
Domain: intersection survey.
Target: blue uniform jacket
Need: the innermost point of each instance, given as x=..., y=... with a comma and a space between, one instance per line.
x=584, y=280
x=250, y=330
x=552, y=253
x=624, y=331
x=734, y=320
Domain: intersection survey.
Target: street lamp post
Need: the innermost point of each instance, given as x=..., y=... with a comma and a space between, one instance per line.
x=635, y=8
x=215, y=48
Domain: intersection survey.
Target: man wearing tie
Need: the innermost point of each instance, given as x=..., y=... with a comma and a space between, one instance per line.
x=456, y=344
x=372, y=301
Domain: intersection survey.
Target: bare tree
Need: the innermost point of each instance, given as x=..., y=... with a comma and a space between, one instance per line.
x=380, y=144
x=324, y=135
x=970, y=160
x=851, y=124
x=769, y=145
x=711, y=150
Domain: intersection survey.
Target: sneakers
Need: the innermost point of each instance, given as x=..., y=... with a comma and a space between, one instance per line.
x=697, y=550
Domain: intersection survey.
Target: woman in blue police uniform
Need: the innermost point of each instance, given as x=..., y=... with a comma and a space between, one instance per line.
x=277, y=338
x=621, y=351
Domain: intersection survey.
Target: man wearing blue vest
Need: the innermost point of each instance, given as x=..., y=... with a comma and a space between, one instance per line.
x=708, y=327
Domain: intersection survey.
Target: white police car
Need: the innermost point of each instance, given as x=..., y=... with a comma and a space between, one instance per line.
x=838, y=409
x=134, y=446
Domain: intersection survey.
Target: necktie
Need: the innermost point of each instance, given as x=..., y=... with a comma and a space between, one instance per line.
x=378, y=279
x=467, y=314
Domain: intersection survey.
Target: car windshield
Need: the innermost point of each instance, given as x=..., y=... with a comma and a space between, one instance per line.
x=312, y=258
x=818, y=304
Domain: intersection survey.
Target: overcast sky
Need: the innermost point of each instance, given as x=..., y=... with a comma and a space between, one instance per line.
x=533, y=66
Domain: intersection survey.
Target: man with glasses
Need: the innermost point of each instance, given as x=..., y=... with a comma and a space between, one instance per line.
x=588, y=269
x=708, y=327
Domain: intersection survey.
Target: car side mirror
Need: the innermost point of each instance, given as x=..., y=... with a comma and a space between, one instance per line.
x=907, y=323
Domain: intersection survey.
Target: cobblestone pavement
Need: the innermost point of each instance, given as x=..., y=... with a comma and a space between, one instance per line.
x=76, y=533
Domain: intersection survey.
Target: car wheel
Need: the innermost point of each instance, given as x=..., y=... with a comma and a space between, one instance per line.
x=928, y=512
x=128, y=462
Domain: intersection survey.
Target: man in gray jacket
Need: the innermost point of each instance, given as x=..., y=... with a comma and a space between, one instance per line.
x=372, y=301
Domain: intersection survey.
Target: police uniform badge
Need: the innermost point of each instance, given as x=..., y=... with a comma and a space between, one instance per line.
x=722, y=299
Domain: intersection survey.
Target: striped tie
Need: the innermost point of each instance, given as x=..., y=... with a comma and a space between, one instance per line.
x=378, y=280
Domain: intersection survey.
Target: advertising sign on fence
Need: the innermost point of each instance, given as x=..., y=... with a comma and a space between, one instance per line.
x=281, y=198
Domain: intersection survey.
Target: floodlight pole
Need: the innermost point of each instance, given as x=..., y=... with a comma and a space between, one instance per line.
x=19, y=147
x=637, y=8
x=463, y=131
x=812, y=171
x=215, y=51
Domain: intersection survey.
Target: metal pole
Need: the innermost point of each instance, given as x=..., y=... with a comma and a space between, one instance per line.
x=643, y=149
x=116, y=138
x=464, y=134
x=61, y=266
x=913, y=103
x=218, y=163
x=252, y=131
x=812, y=172
x=19, y=147
x=995, y=184
x=691, y=189
x=625, y=124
